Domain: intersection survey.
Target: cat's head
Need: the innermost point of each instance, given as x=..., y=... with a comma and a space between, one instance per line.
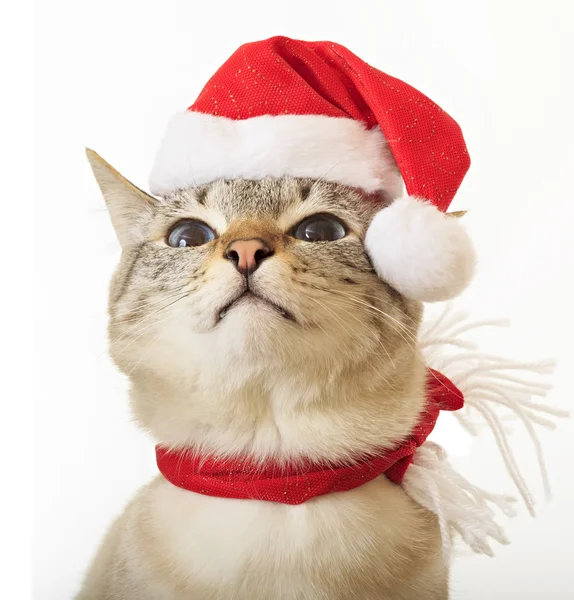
x=244, y=289
x=239, y=271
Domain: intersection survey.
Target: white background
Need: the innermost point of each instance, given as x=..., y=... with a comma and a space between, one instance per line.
x=109, y=73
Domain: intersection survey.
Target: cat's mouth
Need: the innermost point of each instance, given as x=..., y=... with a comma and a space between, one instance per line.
x=250, y=295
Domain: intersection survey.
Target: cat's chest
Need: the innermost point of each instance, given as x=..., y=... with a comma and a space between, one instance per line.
x=214, y=544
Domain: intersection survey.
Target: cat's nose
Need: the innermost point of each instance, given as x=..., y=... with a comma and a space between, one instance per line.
x=248, y=254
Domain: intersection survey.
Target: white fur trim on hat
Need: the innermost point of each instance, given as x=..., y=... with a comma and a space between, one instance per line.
x=423, y=253
x=199, y=148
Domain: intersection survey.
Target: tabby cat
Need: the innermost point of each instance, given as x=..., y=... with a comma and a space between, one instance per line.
x=249, y=319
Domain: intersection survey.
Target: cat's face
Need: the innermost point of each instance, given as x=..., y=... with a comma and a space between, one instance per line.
x=305, y=301
x=206, y=343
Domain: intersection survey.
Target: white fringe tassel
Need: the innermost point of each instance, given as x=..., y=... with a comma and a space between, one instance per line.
x=487, y=382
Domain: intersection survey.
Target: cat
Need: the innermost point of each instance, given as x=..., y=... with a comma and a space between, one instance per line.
x=249, y=320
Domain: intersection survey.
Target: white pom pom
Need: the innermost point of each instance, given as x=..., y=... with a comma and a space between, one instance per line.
x=424, y=254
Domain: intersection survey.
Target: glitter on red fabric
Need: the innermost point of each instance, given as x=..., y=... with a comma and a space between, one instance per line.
x=284, y=76
x=294, y=484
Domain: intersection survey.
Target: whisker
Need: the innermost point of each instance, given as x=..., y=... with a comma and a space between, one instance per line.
x=140, y=333
x=144, y=354
x=374, y=309
x=147, y=302
x=348, y=313
x=143, y=330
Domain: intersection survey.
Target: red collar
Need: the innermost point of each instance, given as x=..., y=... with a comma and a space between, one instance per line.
x=294, y=484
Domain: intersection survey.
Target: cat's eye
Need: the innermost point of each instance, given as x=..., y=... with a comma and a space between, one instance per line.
x=190, y=233
x=320, y=228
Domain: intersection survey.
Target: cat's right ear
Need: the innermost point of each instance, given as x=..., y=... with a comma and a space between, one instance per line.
x=130, y=208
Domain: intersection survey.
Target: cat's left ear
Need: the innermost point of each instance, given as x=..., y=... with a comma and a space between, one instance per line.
x=130, y=208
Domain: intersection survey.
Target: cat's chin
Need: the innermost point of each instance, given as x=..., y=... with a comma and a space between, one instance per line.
x=252, y=308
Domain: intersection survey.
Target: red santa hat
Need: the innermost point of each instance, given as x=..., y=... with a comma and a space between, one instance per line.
x=283, y=107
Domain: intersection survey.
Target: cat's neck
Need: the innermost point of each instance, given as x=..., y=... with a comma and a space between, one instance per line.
x=286, y=415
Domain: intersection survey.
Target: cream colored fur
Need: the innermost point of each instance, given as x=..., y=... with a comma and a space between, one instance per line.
x=346, y=378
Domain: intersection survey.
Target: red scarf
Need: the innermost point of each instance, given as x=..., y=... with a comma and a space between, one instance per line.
x=294, y=484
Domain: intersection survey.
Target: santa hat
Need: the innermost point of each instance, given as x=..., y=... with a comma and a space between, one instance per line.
x=283, y=107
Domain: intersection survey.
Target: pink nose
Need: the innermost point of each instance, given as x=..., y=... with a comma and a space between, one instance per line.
x=247, y=255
